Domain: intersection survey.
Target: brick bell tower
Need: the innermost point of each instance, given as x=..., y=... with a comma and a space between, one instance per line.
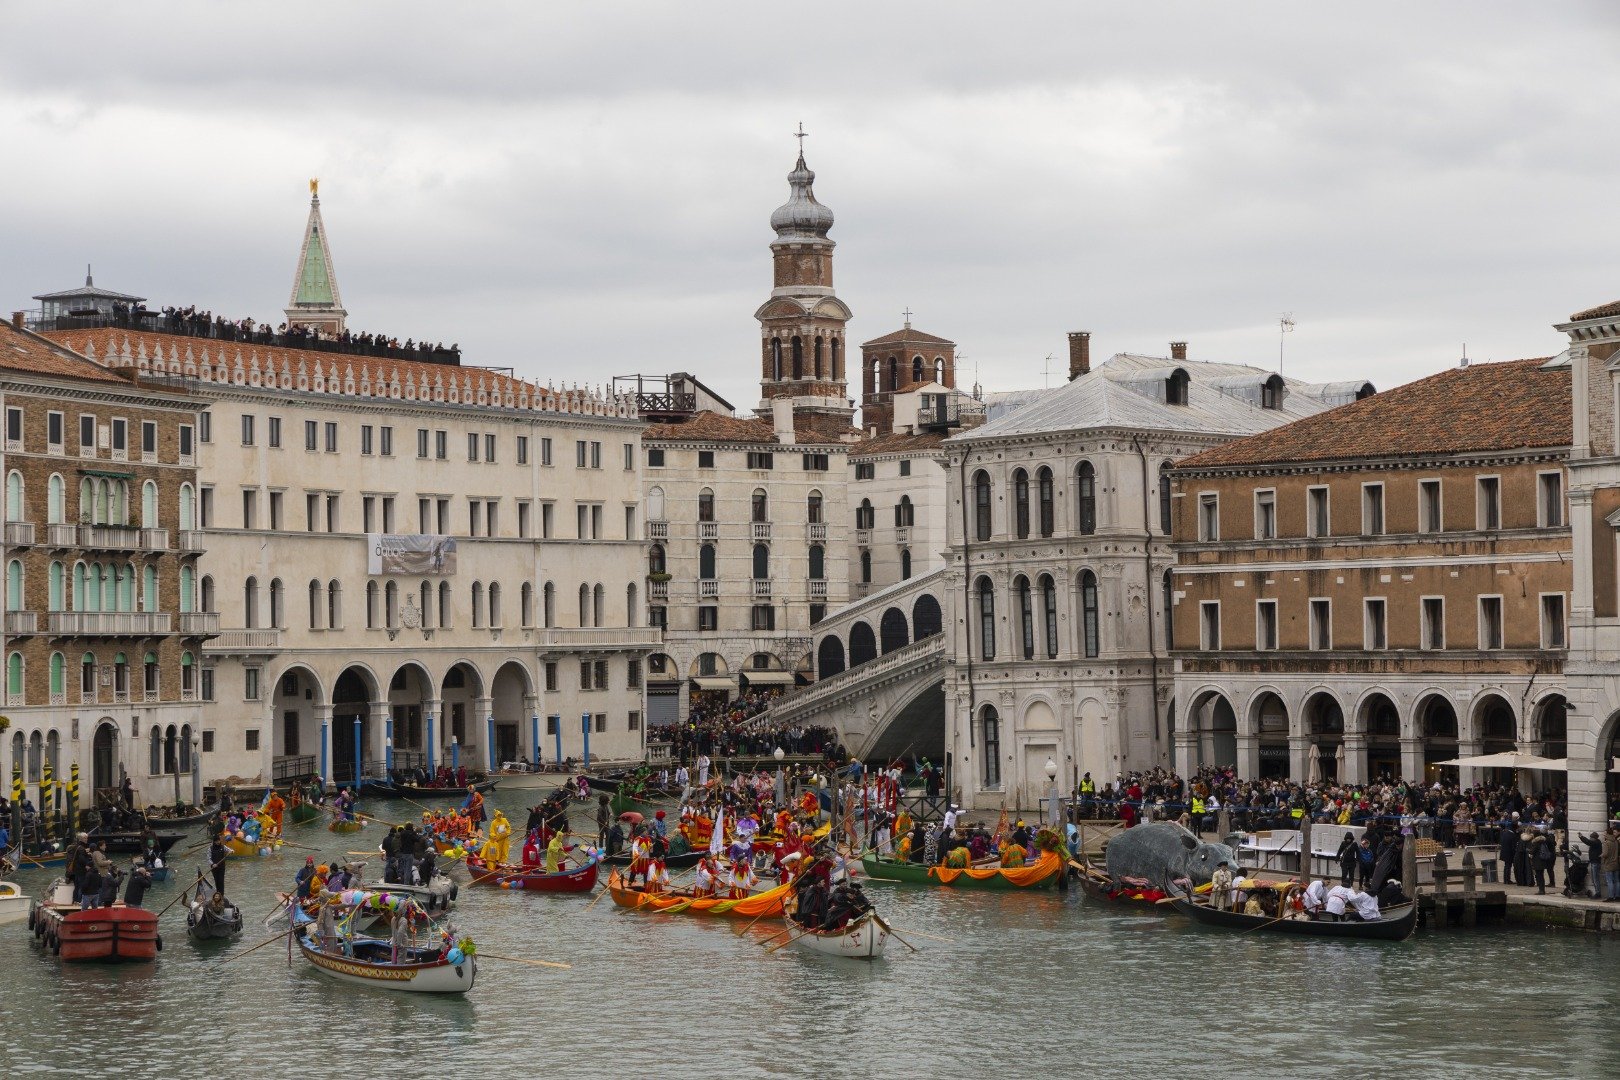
x=802, y=325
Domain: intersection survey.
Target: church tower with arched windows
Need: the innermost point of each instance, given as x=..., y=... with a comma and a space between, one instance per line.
x=802, y=325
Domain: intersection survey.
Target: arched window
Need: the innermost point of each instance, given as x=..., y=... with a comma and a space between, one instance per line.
x=1164, y=498
x=1026, y=617
x=812, y=510
x=149, y=505
x=1271, y=392
x=208, y=603
x=14, y=678
x=916, y=369
x=447, y=606
x=56, y=500
x=706, y=505
x=81, y=587
x=549, y=605
x=526, y=603
x=1043, y=483
x=250, y=603
x=58, y=587
x=155, y=752
x=776, y=359
x=656, y=560
x=126, y=587
x=1088, y=613
x=478, y=605
x=1175, y=388
x=87, y=678
x=939, y=370
x=317, y=604
x=598, y=604
x=1049, y=607
x=188, y=676
x=1169, y=623
x=837, y=360
x=426, y=602
x=87, y=502
x=905, y=564
x=109, y=591
x=706, y=562
x=894, y=373
x=149, y=675
x=188, y=589
x=14, y=496
x=334, y=605
x=188, y=508
x=866, y=567
x=278, y=604
x=149, y=588
x=990, y=739
x=185, y=748
x=1086, y=502
x=981, y=505
x=798, y=357
x=818, y=562
x=904, y=513
x=762, y=562
x=987, y=619
x=877, y=376
x=584, y=605
x=1021, y=503
x=371, y=605
x=632, y=606
x=655, y=503
x=866, y=515
x=390, y=604
x=818, y=358
x=171, y=750
x=761, y=506
x=14, y=585
x=494, y=603
x=58, y=678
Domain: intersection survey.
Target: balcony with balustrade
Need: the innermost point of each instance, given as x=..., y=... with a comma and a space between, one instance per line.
x=199, y=623
x=658, y=530
x=109, y=623
x=818, y=530
x=109, y=538
x=192, y=541
x=19, y=534
x=658, y=590
x=818, y=590
x=21, y=623
x=61, y=536
x=708, y=530
x=708, y=588
x=761, y=588
x=762, y=530
x=154, y=539
x=240, y=641
x=902, y=535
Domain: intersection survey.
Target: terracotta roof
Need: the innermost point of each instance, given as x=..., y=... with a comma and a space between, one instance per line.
x=712, y=427
x=1514, y=405
x=908, y=334
x=896, y=443
x=21, y=350
x=1602, y=311
x=270, y=366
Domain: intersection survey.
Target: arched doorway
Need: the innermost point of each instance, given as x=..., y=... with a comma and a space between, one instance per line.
x=862, y=644
x=1212, y=719
x=1324, y=723
x=1437, y=724
x=352, y=696
x=829, y=656
x=926, y=620
x=459, y=692
x=1498, y=734
x=410, y=689
x=1381, y=723
x=509, y=693
x=297, y=746
x=892, y=630
x=1269, y=718
x=104, y=757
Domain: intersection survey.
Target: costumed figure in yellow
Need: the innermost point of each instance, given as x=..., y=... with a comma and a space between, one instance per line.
x=499, y=845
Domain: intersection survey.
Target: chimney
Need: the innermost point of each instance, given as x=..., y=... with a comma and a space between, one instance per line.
x=1079, y=353
x=16, y=320
x=1178, y=350
x=782, y=420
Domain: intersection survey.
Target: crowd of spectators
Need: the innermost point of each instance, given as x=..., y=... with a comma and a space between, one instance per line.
x=721, y=728
x=191, y=322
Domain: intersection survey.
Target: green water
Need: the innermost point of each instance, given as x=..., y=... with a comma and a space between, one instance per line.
x=1034, y=985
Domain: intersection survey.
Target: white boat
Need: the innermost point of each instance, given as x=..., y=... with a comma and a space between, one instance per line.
x=13, y=902
x=424, y=971
x=862, y=938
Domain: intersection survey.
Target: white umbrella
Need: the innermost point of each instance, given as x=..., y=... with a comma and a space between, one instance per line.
x=1314, y=766
x=1338, y=760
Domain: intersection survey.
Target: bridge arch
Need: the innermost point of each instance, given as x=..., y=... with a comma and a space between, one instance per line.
x=926, y=619
x=830, y=656
x=862, y=644
x=893, y=633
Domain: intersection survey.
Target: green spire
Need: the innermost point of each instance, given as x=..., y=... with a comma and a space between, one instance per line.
x=315, y=280
x=315, y=298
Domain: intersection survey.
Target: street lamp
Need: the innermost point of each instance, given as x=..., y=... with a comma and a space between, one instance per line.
x=781, y=784
x=1054, y=813
x=196, y=769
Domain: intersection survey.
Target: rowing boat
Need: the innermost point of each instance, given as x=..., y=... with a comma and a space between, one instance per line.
x=1040, y=874
x=204, y=922
x=533, y=878
x=338, y=825
x=442, y=791
x=369, y=962
x=249, y=849
x=303, y=811
x=677, y=902
x=862, y=938
x=1397, y=923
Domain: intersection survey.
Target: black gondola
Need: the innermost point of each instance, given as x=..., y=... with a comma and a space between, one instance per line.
x=204, y=921
x=132, y=842
x=1397, y=923
x=416, y=791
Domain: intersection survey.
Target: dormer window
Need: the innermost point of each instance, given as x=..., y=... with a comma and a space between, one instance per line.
x=1271, y=393
x=1175, y=387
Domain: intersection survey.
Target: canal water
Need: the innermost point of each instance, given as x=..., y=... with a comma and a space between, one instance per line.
x=1037, y=985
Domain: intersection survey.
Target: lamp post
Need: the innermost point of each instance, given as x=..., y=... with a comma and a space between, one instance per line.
x=388, y=755
x=196, y=770
x=1054, y=813
x=781, y=782
x=455, y=755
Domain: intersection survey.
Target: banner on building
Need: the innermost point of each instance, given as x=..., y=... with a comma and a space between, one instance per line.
x=416, y=555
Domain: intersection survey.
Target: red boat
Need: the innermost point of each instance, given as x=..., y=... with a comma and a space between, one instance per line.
x=533, y=878
x=111, y=934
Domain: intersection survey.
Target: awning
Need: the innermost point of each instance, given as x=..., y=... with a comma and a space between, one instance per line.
x=716, y=682
x=769, y=678
x=108, y=474
x=1509, y=761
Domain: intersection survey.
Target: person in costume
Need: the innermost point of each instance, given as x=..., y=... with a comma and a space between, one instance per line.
x=531, y=848
x=497, y=849
x=640, y=856
x=657, y=853
x=708, y=874
x=555, y=851
x=742, y=876
x=474, y=806
x=273, y=806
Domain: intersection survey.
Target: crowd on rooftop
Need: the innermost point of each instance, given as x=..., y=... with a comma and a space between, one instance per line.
x=191, y=322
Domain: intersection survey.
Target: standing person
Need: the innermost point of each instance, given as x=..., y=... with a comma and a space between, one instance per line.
x=126, y=794
x=140, y=879
x=216, y=856
x=1347, y=858
x=399, y=936
x=305, y=876
x=1611, y=863
x=604, y=819
x=1541, y=860
x=1507, y=839
x=703, y=770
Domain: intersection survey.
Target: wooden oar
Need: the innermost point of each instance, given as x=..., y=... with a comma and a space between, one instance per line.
x=259, y=946
x=879, y=920
x=784, y=944
x=187, y=890
x=750, y=926
x=519, y=960
x=36, y=862
x=785, y=930
x=919, y=933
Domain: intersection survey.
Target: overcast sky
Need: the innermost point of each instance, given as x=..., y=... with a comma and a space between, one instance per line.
x=582, y=190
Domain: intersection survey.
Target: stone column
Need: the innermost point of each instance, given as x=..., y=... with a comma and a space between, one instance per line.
x=433, y=733
x=323, y=742
x=378, y=717
x=1412, y=760
x=1467, y=775
x=1299, y=757
x=482, y=711
x=529, y=727
x=1186, y=751
x=1248, y=756
x=1588, y=799
x=1355, y=758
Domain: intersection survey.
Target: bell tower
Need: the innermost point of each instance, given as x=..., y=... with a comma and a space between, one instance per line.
x=802, y=325
x=316, y=302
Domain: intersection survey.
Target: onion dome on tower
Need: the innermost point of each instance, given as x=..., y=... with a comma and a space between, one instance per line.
x=801, y=217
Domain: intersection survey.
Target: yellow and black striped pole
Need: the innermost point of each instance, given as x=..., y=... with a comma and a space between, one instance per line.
x=16, y=801
x=47, y=785
x=73, y=796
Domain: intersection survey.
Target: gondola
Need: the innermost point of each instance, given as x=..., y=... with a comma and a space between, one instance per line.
x=533, y=878
x=1397, y=923
x=301, y=812
x=165, y=817
x=862, y=938
x=685, y=860
x=1139, y=894
x=1040, y=874
x=370, y=962
x=682, y=902
x=382, y=788
x=449, y=791
x=132, y=841
x=204, y=922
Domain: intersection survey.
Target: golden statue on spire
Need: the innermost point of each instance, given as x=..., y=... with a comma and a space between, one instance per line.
x=314, y=186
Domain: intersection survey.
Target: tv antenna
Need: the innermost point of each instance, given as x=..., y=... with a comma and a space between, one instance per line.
x=1285, y=326
x=1046, y=373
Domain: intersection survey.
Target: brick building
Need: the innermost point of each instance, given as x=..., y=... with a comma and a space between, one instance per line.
x=103, y=629
x=1380, y=587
